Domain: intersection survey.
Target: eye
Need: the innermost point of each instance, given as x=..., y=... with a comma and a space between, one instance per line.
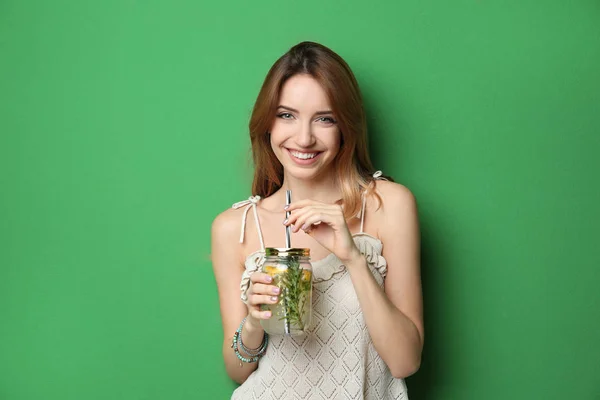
x=328, y=120
x=285, y=115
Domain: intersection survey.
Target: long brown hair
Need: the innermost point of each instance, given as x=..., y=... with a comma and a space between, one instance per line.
x=352, y=164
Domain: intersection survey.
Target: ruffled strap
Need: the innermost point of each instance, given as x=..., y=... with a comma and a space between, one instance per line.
x=253, y=263
x=371, y=248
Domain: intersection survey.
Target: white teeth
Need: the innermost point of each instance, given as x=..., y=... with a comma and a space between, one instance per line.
x=304, y=156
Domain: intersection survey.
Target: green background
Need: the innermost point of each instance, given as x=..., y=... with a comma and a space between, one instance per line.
x=124, y=133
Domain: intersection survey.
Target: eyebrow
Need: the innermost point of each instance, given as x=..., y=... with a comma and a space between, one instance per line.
x=296, y=111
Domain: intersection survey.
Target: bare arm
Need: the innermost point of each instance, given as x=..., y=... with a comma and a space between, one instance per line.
x=394, y=317
x=228, y=270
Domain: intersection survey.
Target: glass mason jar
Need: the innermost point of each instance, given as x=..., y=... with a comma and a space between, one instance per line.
x=292, y=273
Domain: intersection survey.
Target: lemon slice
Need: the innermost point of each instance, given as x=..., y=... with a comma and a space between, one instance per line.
x=306, y=274
x=273, y=270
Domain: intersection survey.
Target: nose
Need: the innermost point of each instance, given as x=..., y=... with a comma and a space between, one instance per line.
x=305, y=136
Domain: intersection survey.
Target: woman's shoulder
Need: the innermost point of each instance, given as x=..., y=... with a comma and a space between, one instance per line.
x=226, y=224
x=393, y=192
x=394, y=198
x=225, y=233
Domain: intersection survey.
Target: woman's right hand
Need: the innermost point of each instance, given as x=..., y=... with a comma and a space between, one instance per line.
x=261, y=291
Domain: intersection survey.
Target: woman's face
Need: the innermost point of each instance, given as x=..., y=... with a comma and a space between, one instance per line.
x=305, y=136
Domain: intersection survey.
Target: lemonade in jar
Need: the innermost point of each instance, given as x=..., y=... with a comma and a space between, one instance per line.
x=292, y=273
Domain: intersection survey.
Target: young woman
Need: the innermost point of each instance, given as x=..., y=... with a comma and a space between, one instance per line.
x=308, y=134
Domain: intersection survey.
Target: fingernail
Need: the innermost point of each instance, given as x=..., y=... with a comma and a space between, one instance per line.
x=304, y=227
x=273, y=298
x=269, y=279
x=285, y=221
x=275, y=290
x=286, y=207
x=268, y=314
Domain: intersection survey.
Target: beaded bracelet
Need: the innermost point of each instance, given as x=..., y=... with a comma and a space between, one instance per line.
x=255, y=354
x=258, y=352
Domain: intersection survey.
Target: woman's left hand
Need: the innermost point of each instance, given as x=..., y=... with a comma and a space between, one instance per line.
x=326, y=224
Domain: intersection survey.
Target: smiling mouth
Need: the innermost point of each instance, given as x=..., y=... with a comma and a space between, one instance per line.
x=304, y=155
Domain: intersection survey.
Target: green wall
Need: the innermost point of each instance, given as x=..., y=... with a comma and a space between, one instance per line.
x=123, y=133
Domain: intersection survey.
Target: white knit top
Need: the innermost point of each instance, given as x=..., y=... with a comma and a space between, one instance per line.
x=336, y=358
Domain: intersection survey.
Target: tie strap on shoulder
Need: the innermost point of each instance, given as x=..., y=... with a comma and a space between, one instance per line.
x=250, y=203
